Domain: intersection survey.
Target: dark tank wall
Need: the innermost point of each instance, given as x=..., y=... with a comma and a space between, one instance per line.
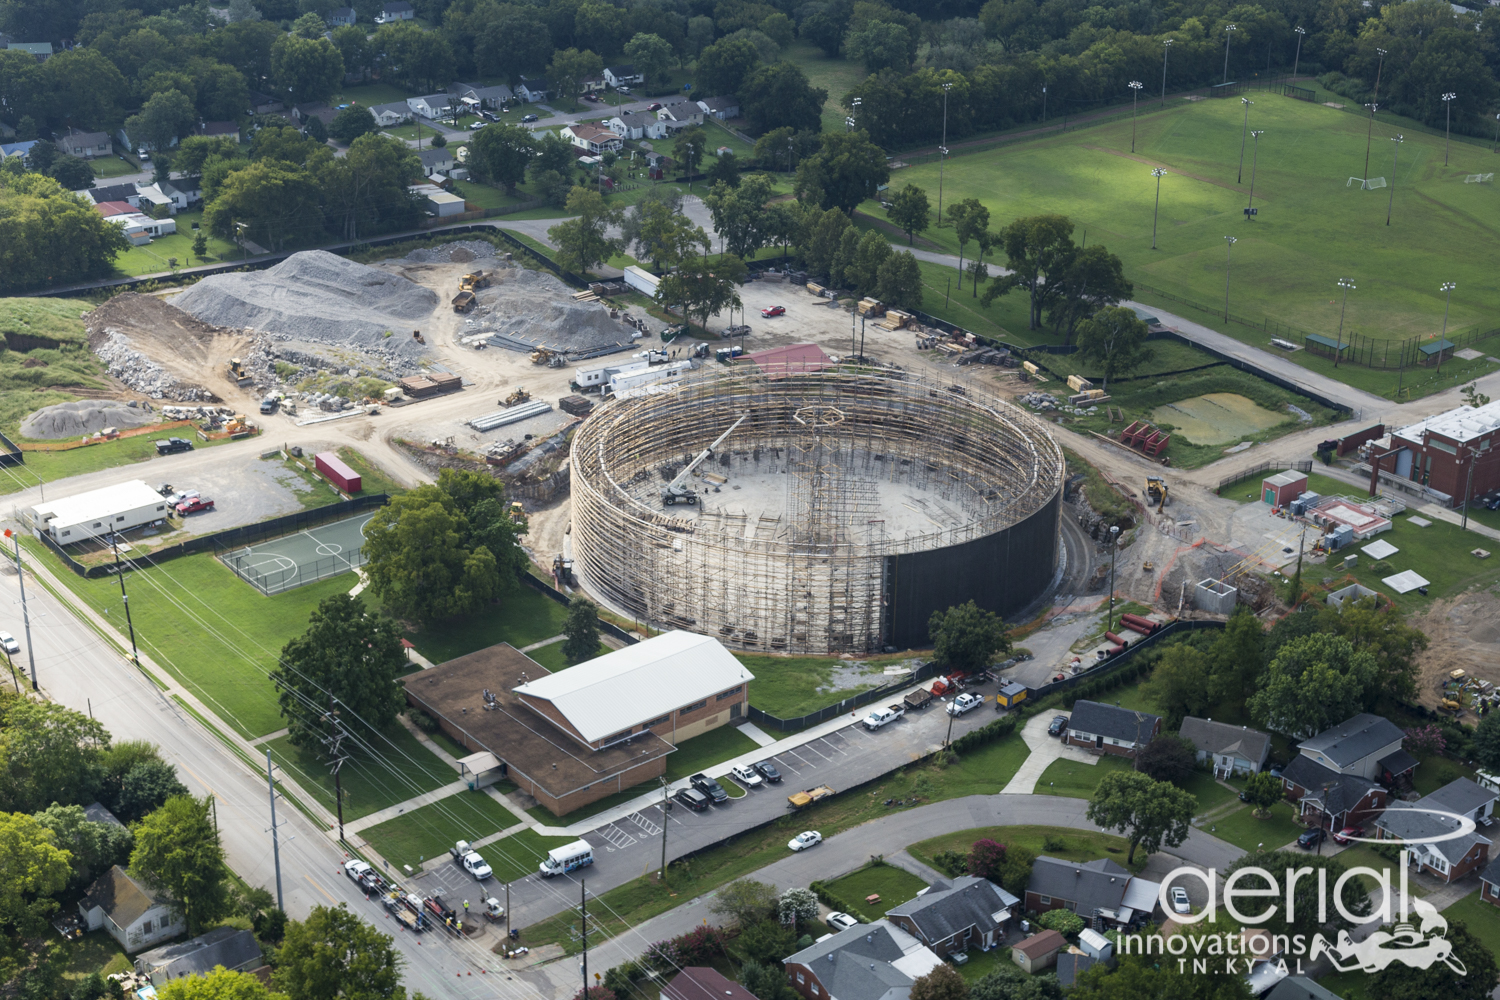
x=1003, y=573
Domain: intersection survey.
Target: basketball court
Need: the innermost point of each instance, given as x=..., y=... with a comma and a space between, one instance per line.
x=304, y=557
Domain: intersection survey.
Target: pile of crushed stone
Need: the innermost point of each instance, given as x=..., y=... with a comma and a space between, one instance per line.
x=142, y=374
x=83, y=416
x=457, y=252
x=524, y=310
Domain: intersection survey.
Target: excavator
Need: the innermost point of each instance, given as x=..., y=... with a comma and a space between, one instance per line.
x=1157, y=492
x=675, y=492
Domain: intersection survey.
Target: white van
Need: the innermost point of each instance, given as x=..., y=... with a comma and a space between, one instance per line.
x=569, y=857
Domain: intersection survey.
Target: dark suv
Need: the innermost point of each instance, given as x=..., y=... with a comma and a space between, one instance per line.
x=692, y=798
x=709, y=787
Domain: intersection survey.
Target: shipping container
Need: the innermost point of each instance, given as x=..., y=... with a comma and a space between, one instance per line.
x=333, y=468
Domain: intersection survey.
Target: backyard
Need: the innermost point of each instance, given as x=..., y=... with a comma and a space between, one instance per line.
x=1055, y=842
x=893, y=885
x=157, y=255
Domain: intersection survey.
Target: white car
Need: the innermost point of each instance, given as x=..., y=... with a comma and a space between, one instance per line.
x=841, y=921
x=1180, y=900
x=476, y=866
x=747, y=776
x=805, y=839
x=9, y=644
x=964, y=703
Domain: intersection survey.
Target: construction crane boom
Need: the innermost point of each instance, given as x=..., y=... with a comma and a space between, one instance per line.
x=674, y=491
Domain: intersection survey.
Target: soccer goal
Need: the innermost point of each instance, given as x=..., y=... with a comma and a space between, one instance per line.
x=1479, y=178
x=1366, y=183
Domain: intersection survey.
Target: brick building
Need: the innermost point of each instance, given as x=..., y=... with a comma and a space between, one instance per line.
x=875, y=961
x=1120, y=731
x=1341, y=776
x=1437, y=452
x=969, y=912
x=1103, y=893
x=1445, y=856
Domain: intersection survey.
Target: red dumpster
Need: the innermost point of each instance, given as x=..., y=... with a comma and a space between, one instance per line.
x=337, y=473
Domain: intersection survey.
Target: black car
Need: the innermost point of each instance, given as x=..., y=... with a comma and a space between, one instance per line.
x=692, y=798
x=528, y=118
x=768, y=771
x=1312, y=838
x=709, y=787
x=1059, y=726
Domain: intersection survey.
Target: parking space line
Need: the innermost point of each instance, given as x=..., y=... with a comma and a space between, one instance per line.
x=834, y=748
x=804, y=761
x=809, y=746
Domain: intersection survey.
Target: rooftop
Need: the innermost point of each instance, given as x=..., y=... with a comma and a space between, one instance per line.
x=1300, y=988
x=876, y=961
x=1461, y=424
x=230, y=947
x=1070, y=966
x=1336, y=791
x=698, y=983
x=1089, y=885
x=1113, y=722
x=1354, y=739
x=121, y=897
x=1039, y=944
x=944, y=910
x=1221, y=738
x=94, y=504
x=790, y=358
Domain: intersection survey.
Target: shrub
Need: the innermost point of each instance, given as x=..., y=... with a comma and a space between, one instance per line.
x=1065, y=922
x=951, y=863
x=1052, y=842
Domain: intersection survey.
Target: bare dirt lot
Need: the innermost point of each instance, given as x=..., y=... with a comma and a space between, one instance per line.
x=1463, y=632
x=187, y=354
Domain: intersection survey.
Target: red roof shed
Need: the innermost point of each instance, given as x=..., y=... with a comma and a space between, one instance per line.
x=338, y=473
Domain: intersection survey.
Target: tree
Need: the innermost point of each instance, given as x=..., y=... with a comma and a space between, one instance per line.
x=309, y=26
x=724, y=65
x=499, y=153
x=1114, y=338
x=821, y=233
x=582, y=630
x=1384, y=634
x=1311, y=895
x=1013, y=984
x=1168, y=758
x=1236, y=659
x=145, y=787
x=1094, y=280
x=703, y=288
x=314, y=129
x=1139, y=978
x=353, y=44
x=33, y=869
x=278, y=202
x=72, y=172
x=190, y=155
x=688, y=151
x=910, y=212
x=739, y=213
x=724, y=170
x=845, y=171
x=49, y=754
x=864, y=270
x=418, y=562
x=312, y=69
x=766, y=982
x=410, y=54
x=1473, y=397
x=332, y=953
x=1065, y=922
x=200, y=246
x=1263, y=790
x=177, y=852
x=1399, y=981
x=1152, y=814
x=967, y=637
x=354, y=121
x=220, y=984
x=93, y=847
x=165, y=117
x=780, y=96
x=943, y=983
x=969, y=218
x=879, y=45
x=660, y=232
x=1487, y=742
x=510, y=40
x=1313, y=683
x=986, y=859
x=825, y=29
x=745, y=901
x=898, y=282
x=1038, y=250
x=583, y=242
x=768, y=942
x=797, y=906
x=365, y=190
x=652, y=56
x=1016, y=872
x=569, y=68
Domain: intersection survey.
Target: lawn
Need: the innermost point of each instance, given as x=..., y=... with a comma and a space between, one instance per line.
x=704, y=752
x=1245, y=831
x=893, y=885
x=96, y=951
x=1481, y=918
x=1055, y=842
x=1077, y=780
x=155, y=256
x=370, y=94
x=837, y=76
x=1283, y=269
x=551, y=655
x=518, y=855
x=372, y=478
x=1362, y=856
x=524, y=617
x=1209, y=793
x=1434, y=772
x=400, y=768
x=790, y=687
x=428, y=832
x=112, y=166
x=1440, y=553
x=53, y=465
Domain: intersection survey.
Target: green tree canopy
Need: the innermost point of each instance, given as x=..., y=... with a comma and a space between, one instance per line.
x=1115, y=339
x=93, y=847
x=582, y=630
x=1487, y=742
x=277, y=202
x=660, y=232
x=688, y=150
x=351, y=123
x=49, y=754
x=164, y=118
x=1038, y=250
x=364, y=191
x=651, y=55
x=943, y=983
x=879, y=45
x=725, y=170
x=220, y=984
x=1152, y=814
x=910, y=211
x=1236, y=659
x=1168, y=758
x=584, y=243
x=780, y=96
x=724, y=66
x=967, y=637
x=1095, y=280
x=898, y=281
x=33, y=869
x=500, y=153
x=739, y=213
x=309, y=69
x=145, y=787
x=569, y=69
x=1398, y=981
x=845, y=171
x=1263, y=790
x=1314, y=683
x=334, y=953
x=177, y=852
x=702, y=287
x=1309, y=896
x=745, y=901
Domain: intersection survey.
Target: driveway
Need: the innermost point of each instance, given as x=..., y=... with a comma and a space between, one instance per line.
x=1044, y=750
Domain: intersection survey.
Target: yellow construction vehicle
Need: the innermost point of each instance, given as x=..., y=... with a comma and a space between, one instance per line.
x=1156, y=491
x=473, y=282
x=517, y=512
x=237, y=373
x=464, y=301
x=1449, y=705
x=541, y=356
x=236, y=424
x=516, y=397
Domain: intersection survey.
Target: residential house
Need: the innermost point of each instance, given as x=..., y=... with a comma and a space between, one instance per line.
x=637, y=125
x=174, y=196
x=41, y=51
x=949, y=917
x=1265, y=962
x=137, y=147
x=394, y=113
x=699, y=983
x=592, y=84
x=432, y=106
x=875, y=961
x=1230, y=749
x=532, y=90
x=110, y=209
x=265, y=104
x=1334, y=776
x=230, y=947
x=139, y=229
x=1489, y=883
x=591, y=138
x=116, y=192
x=1104, y=894
x=230, y=129
x=1366, y=745
x=1115, y=730
x=1038, y=952
x=683, y=111
x=395, y=10
x=623, y=75
x=155, y=198
x=303, y=113
x=436, y=160
x=493, y=98
x=1433, y=816
x=1300, y=988
x=85, y=144
x=97, y=812
x=672, y=126
x=129, y=911
x=1328, y=798
x=21, y=149
x=722, y=107
x=340, y=17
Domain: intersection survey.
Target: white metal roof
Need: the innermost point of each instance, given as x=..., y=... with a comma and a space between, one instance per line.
x=632, y=685
x=96, y=505
x=1461, y=424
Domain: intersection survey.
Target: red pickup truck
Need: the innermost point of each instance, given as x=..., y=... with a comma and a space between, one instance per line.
x=194, y=504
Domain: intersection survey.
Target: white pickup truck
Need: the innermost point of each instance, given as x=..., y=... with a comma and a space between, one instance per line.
x=881, y=716
x=472, y=863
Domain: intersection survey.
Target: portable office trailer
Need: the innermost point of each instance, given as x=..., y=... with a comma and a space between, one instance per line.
x=337, y=472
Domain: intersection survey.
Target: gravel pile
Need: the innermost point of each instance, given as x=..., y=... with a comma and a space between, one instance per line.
x=459, y=252
x=524, y=310
x=141, y=373
x=82, y=416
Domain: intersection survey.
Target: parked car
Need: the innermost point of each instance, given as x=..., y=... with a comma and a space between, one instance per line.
x=194, y=505
x=692, y=798
x=1312, y=838
x=805, y=839
x=709, y=787
x=173, y=499
x=489, y=116
x=528, y=118
x=747, y=776
x=965, y=702
x=1348, y=833
x=1059, y=726
x=623, y=90
x=840, y=921
x=9, y=644
x=1180, y=903
x=654, y=106
x=770, y=311
x=768, y=771
x=168, y=446
x=463, y=852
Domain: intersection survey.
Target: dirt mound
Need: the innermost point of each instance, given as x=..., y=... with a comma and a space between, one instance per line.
x=158, y=349
x=80, y=417
x=459, y=252
x=525, y=309
x=1461, y=632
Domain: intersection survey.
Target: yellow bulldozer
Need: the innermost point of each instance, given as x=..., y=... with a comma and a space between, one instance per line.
x=236, y=424
x=1157, y=492
x=516, y=397
x=237, y=373
x=517, y=512
x=473, y=282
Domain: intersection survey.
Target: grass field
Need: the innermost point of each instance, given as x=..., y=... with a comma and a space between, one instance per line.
x=1076, y=779
x=837, y=76
x=155, y=256
x=400, y=769
x=428, y=832
x=551, y=656
x=893, y=885
x=1439, y=552
x=706, y=751
x=112, y=166
x=1481, y=918
x=790, y=687
x=1245, y=830
x=1055, y=842
x=524, y=617
x=1311, y=231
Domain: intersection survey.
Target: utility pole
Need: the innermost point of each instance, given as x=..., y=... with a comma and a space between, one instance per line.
x=275, y=833
x=1468, y=490
x=583, y=907
x=25, y=613
x=1166, y=47
x=1396, y=158
x=1230, y=242
x=665, y=805
x=1114, y=538
x=1244, y=130
x=1448, y=287
x=1347, y=286
x=338, y=758
x=1374, y=106
x=943, y=154
x=507, y=914
x=120, y=572
x=1158, y=173
x=1255, y=135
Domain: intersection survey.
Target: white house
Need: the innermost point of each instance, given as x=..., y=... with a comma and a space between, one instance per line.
x=436, y=160
x=395, y=113
x=340, y=17
x=624, y=74
x=482, y=97
x=432, y=106
x=130, y=913
x=532, y=91
x=1231, y=749
x=395, y=10
x=686, y=112
x=637, y=125
x=98, y=512
x=721, y=107
x=592, y=138
x=85, y=144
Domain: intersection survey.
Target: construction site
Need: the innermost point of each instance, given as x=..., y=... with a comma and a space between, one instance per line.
x=824, y=512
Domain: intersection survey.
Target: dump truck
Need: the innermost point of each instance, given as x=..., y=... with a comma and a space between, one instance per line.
x=806, y=797
x=237, y=373
x=473, y=282
x=464, y=302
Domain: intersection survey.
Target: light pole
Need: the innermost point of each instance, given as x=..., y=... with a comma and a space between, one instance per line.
x=791, y=151
x=1497, y=133
x=1044, y=104
x=1298, y=61
x=1229, y=30
x=1398, y=140
x=1158, y=173
x=1114, y=535
x=1243, y=130
x=943, y=153
x=1229, y=241
x=1135, y=94
x=1255, y=135
x=1374, y=106
x=1447, y=289
x=1447, y=123
x=1338, y=349
x=850, y=121
x=1166, y=47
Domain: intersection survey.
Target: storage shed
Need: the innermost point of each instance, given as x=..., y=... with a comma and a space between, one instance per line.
x=337, y=472
x=1284, y=487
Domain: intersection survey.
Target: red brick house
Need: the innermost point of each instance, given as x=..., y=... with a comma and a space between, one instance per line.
x=1341, y=776
x=1489, y=883
x=1111, y=729
x=1450, y=858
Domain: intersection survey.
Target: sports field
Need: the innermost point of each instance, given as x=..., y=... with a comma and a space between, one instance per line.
x=1313, y=228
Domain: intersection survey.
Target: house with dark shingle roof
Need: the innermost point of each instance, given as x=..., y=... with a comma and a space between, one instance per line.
x=1449, y=858
x=624, y=74
x=699, y=983
x=1231, y=749
x=130, y=912
x=1101, y=892
x=1341, y=776
x=1300, y=988
x=340, y=17
x=231, y=947
x=877, y=961
x=1111, y=729
x=1329, y=798
x=116, y=192
x=969, y=912
x=722, y=107
x=1360, y=745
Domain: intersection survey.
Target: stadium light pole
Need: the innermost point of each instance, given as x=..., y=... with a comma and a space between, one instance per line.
x=1398, y=140
x=1338, y=349
x=1229, y=30
x=1243, y=130
x=1298, y=61
x=1135, y=94
x=1158, y=173
x=1044, y=104
x=1255, y=135
x=1447, y=123
x=943, y=153
x=1374, y=106
x=1229, y=242
x=1166, y=47
x=1448, y=287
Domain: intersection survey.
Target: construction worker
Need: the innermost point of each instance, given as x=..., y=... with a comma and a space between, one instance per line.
x=466, y=907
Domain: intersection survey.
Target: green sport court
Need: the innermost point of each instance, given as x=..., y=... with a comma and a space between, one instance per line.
x=304, y=557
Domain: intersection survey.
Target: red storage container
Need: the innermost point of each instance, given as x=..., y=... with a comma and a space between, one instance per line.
x=337, y=473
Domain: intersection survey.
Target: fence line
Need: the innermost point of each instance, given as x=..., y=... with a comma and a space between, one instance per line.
x=279, y=580
x=1301, y=465
x=12, y=455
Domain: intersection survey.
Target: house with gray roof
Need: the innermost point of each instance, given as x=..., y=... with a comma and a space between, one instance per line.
x=1330, y=798
x=1489, y=883
x=394, y=113
x=84, y=144
x=877, y=961
x=1230, y=749
x=340, y=17
x=1300, y=988
x=493, y=98
x=1104, y=894
x=1366, y=745
x=41, y=51
x=1435, y=816
x=636, y=125
x=1111, y=729
x=116, y=192
x=623, y=75
x=395, y=10
x=532, y=90
x=436, y=160
x=98, y=812
x=722, y=107
x=948, y=917
x=130, y=912
x=1341, y=776
x=432, y=106
x=231, y=947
